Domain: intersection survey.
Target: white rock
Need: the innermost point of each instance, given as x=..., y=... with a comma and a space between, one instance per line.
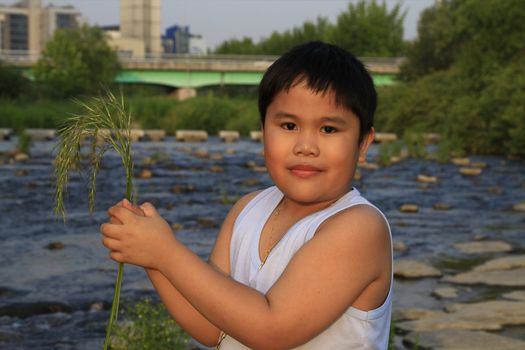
x=452, y=339
x=483, y=247
x=414, y=269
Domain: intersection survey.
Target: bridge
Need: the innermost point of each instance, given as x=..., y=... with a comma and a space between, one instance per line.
x=187, y=73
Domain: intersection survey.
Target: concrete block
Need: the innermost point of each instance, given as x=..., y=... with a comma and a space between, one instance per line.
x=256, y=136
x=154, y=135
x=40, y=134
x=229, y=135
x=191, y=135
x=5, y=133
x=385, y=137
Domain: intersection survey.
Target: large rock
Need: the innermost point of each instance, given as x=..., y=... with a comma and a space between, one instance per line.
x=508, y=278
x=414, y=269
x=506, y=313
x=503, y=263
x=461, y=340
x=516, y=295
x=483, y=247
x=506, y=271
x=490, y=316
x=445, y=293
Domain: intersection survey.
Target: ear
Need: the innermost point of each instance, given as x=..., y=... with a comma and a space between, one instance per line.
x=363, y=147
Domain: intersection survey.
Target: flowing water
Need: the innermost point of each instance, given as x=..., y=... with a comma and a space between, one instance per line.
x=60, y=298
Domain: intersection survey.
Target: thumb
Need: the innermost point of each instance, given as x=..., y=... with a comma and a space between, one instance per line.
x=149, y=210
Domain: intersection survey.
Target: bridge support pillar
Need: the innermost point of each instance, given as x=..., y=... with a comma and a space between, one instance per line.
x=182, y=94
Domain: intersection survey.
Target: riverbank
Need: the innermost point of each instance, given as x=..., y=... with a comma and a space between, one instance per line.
x=57, y=281
x=210, y=113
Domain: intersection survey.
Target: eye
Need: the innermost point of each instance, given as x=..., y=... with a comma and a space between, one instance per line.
x=289, y=126
x=328, y=129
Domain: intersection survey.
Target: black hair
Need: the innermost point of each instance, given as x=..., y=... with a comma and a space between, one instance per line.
x=323, y=67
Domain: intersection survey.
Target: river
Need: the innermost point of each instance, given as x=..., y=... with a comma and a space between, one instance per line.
x=59, y=298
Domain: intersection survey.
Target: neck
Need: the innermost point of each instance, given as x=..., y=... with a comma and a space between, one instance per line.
x=301, y=210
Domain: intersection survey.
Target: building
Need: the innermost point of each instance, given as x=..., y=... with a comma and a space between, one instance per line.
x=179, y=40
x=26, y=25
x=139, y=32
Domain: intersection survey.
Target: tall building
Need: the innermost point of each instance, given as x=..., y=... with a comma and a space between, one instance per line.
x=26, y=25
x=178, y=39
x=140, y=19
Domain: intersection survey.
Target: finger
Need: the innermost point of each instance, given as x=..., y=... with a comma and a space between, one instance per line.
x=111, y=243
x=111, y=230
x=121, y=213
x=117, y=256
x=114, y=220
x=134, y=208
x=149, y=210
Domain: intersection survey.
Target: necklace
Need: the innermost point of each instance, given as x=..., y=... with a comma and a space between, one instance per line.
x=273, y=218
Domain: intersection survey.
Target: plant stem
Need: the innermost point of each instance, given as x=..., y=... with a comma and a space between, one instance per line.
x=128, y=166
x=114, y=306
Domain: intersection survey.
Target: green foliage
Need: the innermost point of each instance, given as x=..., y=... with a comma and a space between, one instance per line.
x=24, y=142
x=466, y=79
x=367, y=28
x=278, y=43
x=478, y=36
x=75, y=62
x=209, y=113
x=148, y=326
x=19, y=115
x=388, y=150
x=435, y=47
x=13, y=84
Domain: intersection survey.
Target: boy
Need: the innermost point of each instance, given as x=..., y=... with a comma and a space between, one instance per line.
x=305, y=264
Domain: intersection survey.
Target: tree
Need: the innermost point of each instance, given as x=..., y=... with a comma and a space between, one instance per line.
x=12, y=82
x=75, y=62
x=468, y=80
x=370, y=29
x=278, y=43
x=436, y=44
x=480, y=36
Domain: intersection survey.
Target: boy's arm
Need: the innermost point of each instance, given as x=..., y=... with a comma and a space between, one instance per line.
x=347, y=262
x=191, y=320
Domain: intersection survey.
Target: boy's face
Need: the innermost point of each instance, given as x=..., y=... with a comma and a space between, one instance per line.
x=311, y=145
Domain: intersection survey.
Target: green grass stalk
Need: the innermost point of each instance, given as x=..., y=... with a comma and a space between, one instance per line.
x=106, y=122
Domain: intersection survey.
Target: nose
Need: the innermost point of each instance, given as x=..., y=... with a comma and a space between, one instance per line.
x=306, y=145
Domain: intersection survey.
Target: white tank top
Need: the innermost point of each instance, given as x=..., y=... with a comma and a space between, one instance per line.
x=355, y=329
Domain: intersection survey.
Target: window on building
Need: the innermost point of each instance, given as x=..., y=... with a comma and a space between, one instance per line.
x=65, y=20
x=18, y=32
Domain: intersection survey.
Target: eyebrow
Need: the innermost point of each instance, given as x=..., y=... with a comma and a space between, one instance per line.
x=336, y=119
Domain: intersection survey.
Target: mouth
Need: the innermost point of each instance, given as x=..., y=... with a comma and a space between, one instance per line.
x=304, y=171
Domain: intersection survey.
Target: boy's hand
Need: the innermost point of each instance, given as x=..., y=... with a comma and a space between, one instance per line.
x=128, y=205
x=137, y=235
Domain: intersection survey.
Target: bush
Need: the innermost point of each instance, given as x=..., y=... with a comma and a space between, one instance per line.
x=13, y=84
x=212, y=114
x=20, y=115
x=148, y=326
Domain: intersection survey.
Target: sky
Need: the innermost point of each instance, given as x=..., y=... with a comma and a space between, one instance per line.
x=220, y=20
